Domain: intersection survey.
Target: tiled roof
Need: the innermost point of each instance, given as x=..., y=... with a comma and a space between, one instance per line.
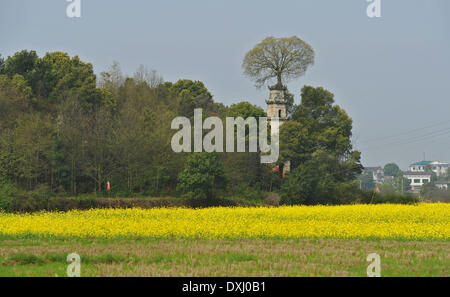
x=442, y=182
x=422, y=163
x=416, y=173
x=372, y=168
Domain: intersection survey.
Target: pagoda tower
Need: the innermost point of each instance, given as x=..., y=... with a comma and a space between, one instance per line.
x=276, y=108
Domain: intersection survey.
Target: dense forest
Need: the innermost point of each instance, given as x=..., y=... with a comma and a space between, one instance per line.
x=66, y=131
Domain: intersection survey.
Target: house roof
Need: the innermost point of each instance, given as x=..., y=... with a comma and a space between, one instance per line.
x=422, y=163
x=372, y=168
x=442, y=182
x=416, y=173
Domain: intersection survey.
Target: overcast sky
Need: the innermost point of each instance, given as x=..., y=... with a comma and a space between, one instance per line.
x=391, y=74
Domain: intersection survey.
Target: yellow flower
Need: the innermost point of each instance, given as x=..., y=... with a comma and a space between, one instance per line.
x=412, y=222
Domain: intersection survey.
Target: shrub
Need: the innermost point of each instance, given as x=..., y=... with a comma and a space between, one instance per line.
x=272, y=199
x=31, y=202
x=248, y=193
x=203, y=175
x=367, y=197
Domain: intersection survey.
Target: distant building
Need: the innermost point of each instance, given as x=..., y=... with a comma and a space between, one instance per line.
x=376, y=172
x=417, y=179
x=276, y=108
x=440, y=168
x=442, y=184
x=388, y=179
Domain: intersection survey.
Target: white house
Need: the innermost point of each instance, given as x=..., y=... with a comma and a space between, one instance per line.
x=442, y=184
x=440, y=168
x=417, y=179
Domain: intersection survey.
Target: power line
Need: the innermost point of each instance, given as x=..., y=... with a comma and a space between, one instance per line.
x=405, y=133
x=417, y=138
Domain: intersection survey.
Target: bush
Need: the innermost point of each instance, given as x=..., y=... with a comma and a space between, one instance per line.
x=138, y=202
x=367, y=197
x=205, y=202
x=272, y=199
x=247, y=193
x=32, y=202
x=203, y=175
x=306, y=185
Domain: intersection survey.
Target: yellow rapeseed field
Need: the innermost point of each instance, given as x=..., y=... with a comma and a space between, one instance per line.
x=412, y=222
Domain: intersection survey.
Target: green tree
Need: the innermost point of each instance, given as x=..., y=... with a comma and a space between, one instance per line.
x=72, y=131
x=23, y=63
x=202, y=176
x=189, y=95
x=196, y=90
x=328, y=124
x=301, y=184
x=392, y=169
x=2, y=64
x=404, y=184
x=296, y=143
x=313, y=183
x=429, y=170
x=245, y=110
x=244, y=168
x=367, y=182
x=278, y=58
x=15, y=98
x=59, y=76
x=33, y=139
x=428, y=190
x=290, y=103
x=100, y=140
x=186, y=104
x=319, y=139
x=323, y=126
x=55, y=77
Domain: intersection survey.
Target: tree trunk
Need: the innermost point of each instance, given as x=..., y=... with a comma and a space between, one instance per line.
x=280, y=84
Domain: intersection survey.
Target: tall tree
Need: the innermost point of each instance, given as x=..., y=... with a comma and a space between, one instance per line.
x=392, y=169
x=151, y=77
x=329, y=124
x=202, y=176
x=55, y=77
x=23, y=63
x=319, y=139
x=2, y=64
x=244, y=166
x=278, y=58
x=290, y=103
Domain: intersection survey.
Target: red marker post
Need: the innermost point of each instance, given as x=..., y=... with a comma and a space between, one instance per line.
x=108, y=188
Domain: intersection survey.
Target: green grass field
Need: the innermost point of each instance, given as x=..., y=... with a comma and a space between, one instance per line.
x=183, y=257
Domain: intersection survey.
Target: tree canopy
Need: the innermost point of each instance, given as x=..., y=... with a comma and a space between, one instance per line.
x=203, y=175
x=278, y=58
x=66, y=132
x=392, y=169
x=62, y=130
x=55, y=77
x=317, y=142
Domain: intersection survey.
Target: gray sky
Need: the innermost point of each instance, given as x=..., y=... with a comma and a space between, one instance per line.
x=391, y=74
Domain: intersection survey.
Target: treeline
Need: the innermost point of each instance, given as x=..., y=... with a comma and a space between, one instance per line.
x=66, y=132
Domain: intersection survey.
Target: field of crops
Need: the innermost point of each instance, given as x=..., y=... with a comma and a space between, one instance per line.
x=404, y=222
